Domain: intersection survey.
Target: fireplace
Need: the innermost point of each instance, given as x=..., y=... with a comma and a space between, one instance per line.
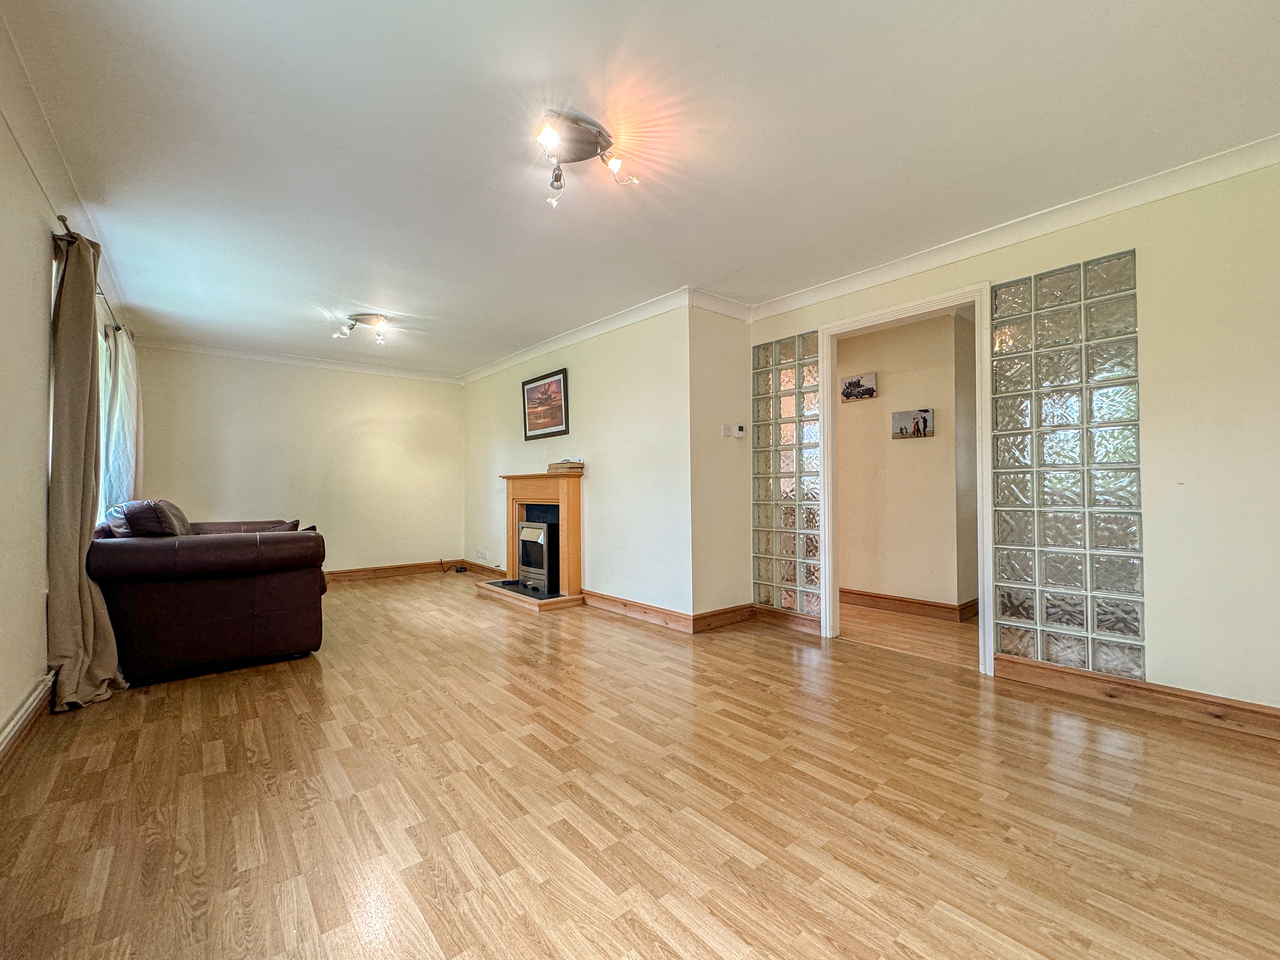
x=544, y=547
x=539, y=555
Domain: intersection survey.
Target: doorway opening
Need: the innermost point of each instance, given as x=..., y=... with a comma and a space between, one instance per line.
x=907, y=540
x=905, y=505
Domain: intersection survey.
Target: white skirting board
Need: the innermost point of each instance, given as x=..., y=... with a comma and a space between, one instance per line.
x=38, y=698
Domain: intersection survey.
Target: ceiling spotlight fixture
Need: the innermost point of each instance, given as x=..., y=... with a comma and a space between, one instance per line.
x=375, y=320
x=572, y=139
x=549, y=138
x=615, y=164
x=557, y=185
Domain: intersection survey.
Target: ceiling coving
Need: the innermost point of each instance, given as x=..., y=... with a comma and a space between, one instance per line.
x=571, y=139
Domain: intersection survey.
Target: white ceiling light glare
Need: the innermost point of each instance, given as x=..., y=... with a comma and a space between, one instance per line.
x=375, y=320
x=572, y=139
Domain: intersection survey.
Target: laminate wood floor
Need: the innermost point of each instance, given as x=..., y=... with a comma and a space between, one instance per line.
x=453, y=777
x=947, y=641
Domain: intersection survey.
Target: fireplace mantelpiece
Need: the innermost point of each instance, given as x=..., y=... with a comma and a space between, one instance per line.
x=564, y=490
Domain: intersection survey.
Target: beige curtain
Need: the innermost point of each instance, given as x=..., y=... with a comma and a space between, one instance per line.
x=82, y=647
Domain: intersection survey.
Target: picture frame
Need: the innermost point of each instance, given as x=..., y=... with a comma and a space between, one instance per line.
x=861, y=387
x=544, y=402
x=912, y=424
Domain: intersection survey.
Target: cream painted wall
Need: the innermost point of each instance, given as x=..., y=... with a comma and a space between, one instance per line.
x=720, y=466
x=1209, y=349
x=629, y=420
x=375, y=462
x=966, y=448
x=898, y=498
x=26, y=255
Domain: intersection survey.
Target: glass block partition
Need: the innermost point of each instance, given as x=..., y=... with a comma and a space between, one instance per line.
x=785, y=457
x=1068, y=518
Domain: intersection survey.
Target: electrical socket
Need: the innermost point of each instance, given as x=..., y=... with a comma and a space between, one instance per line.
x=482, y=553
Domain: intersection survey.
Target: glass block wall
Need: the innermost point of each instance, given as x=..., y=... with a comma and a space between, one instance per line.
x=785, y=457
x=1068, y=520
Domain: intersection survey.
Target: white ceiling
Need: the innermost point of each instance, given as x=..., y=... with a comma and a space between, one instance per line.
x=257, y=170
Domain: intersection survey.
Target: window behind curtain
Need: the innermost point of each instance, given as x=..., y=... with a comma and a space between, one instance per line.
x=120, y=413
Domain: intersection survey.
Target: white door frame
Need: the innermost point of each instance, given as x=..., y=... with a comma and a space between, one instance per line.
x=829, y=385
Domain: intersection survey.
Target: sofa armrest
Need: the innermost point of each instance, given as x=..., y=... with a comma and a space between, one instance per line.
x=208, y=555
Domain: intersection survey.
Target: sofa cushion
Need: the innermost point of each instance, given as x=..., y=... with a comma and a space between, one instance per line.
x=148, y=518
x=204, y=527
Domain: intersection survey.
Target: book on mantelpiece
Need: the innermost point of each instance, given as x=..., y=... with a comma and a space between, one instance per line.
x=568, y=465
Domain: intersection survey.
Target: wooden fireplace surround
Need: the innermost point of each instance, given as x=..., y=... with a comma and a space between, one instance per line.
x=565, y=491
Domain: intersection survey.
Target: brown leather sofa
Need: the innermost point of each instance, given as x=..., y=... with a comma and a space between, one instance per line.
x=190, y=598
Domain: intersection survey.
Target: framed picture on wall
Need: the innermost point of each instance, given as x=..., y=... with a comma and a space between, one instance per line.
x=861, y=387
x=913, y=424
x=545, y=401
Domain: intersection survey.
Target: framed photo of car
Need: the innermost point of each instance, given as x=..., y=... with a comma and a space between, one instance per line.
x=861, y=387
